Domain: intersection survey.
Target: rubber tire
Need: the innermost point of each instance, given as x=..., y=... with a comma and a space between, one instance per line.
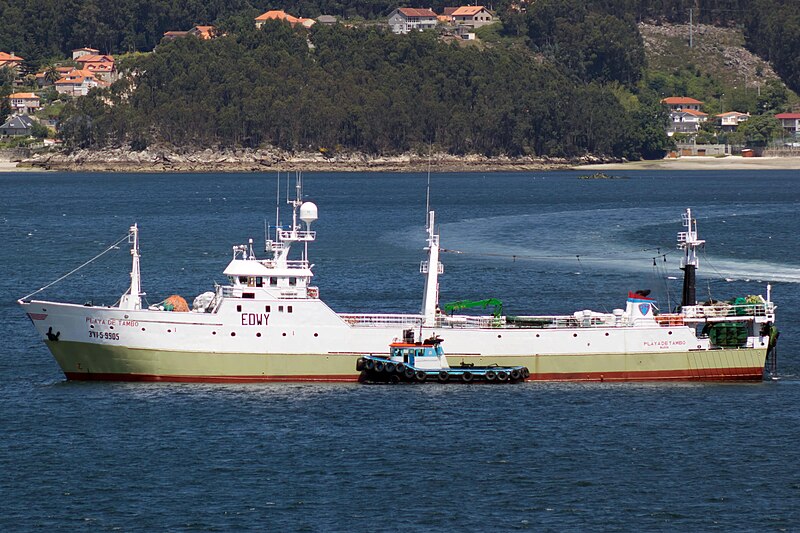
x=394, y=378
x=491, y=375
x=502, y=376
x=390, y=368
x=399, y=368
x=409, y=373
x=467, y=377
x=421, y=376
x=515, y=374
x=379, y=366
x=369, y=364
x=525, y=372
x=360, y=364
x=444, y=376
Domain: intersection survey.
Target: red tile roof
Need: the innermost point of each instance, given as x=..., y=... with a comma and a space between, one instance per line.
x=694, y=113
x=416, y=12
x=95, y=58
x=278, y=14
x=9, y=57
x=680, y=100
x=23, y=96
x=467, y=11
x=788, y=115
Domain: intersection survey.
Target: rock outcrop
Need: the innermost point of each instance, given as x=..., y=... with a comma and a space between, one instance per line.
x=273, y=159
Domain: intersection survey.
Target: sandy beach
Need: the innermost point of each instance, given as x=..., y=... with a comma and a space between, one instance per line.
x=732, y=162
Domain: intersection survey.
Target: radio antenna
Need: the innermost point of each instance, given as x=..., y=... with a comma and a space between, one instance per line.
x=428, y=188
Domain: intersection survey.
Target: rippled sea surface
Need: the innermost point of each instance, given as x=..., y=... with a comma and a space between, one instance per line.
x=332, y=457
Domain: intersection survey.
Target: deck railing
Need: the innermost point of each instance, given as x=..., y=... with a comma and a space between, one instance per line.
x=727, y=310
x=377, y=321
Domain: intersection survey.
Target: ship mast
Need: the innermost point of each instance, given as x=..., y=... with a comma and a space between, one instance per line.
x=688, y=242
x=133, y=298
x=431, y=268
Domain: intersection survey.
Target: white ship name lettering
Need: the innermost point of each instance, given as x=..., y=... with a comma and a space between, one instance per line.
x=111, y=322
x=255, y=319
x=662, y=344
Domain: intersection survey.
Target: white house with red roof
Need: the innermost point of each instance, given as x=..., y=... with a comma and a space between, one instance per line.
x=102, y=66
x=24, y=103
x=730, y=121
x=406, y=19
x=78, y=83
x=472, y=16
x=679, y=103
x=684, y=113
x=790, y=122
x=80, y=52
x=10, y=61
x=279, y=14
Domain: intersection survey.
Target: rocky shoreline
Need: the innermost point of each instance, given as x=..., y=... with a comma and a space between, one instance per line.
x=249, y=160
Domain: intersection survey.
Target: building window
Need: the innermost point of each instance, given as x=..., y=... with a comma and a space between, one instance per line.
x=289, y=309
x=239, y=308
x=280, y=309
x=267, y=308
x=249, y=295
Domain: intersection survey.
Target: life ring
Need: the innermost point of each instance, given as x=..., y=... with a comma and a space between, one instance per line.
x=491, y=375
x=467, y=377
x=444, y=376
x=421, y=376
x=369, y=364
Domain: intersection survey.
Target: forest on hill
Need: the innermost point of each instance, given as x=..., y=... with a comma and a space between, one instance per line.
x=566, y=78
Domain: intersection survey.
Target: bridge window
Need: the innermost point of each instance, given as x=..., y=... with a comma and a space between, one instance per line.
x=292, y=281
x=249, y=295
x=259, y=281
x=289, y=310
x=273, y=282
x=280, y=309
x=242, y=279
x=238, y=308
x=266, y=308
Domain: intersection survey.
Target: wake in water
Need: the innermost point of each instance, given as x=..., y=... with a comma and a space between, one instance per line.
x=606, y=238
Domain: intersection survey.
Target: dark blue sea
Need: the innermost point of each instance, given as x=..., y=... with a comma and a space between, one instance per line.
x=332, y=457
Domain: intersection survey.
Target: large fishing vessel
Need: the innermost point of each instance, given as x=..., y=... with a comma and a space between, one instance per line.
x=269, y=324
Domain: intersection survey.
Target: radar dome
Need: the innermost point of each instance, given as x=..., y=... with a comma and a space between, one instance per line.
x=308, y=213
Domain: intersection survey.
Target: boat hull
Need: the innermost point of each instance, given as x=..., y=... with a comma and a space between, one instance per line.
x=88, y=361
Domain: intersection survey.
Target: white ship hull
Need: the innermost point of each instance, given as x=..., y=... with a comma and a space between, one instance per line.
x=316, y=344
x=270, y=325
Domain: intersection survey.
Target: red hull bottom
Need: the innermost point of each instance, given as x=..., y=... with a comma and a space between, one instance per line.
x=716, y=374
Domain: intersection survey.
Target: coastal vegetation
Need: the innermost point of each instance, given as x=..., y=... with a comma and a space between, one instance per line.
x=557, y=78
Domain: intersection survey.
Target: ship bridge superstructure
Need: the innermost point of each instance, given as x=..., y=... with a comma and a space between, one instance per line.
x=276, y=277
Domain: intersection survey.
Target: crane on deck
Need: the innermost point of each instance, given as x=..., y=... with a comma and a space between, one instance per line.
x=469, y=304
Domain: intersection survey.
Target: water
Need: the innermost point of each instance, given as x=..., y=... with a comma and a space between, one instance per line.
x=330, y=457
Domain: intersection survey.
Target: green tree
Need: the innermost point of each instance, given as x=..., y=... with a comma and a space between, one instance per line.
x=760, y=130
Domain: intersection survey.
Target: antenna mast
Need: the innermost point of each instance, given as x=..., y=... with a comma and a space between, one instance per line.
x=688, y=242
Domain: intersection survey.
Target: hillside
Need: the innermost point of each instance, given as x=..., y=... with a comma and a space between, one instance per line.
x=717, y=69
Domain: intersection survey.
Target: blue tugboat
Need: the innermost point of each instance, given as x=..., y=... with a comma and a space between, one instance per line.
x=420, y=362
